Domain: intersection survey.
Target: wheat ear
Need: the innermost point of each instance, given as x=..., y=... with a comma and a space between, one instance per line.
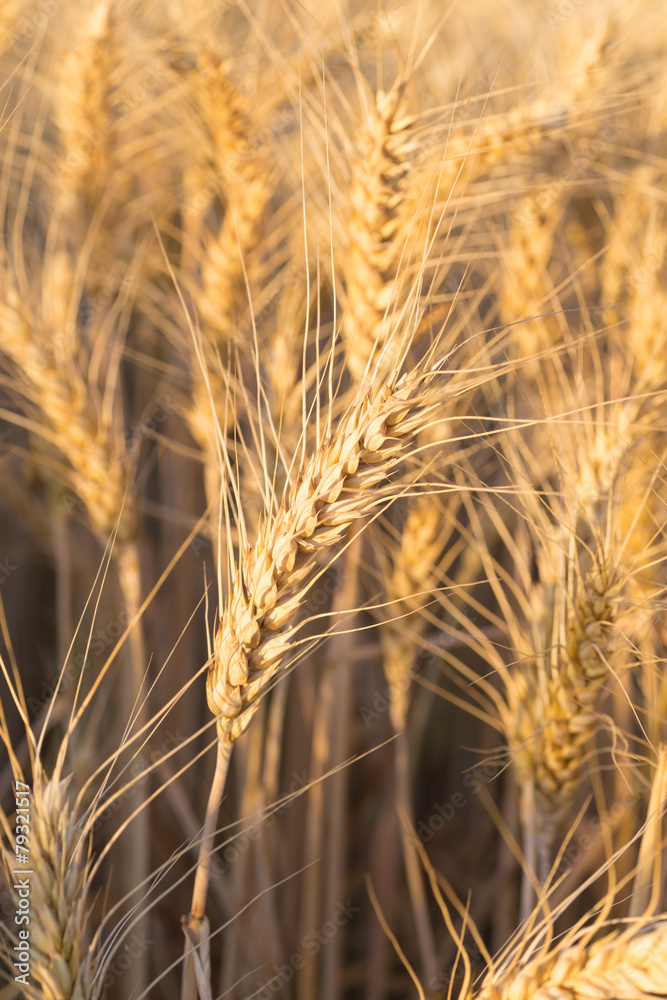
x=334, y=489
x=98, y=471
x=82, y=111
x=630, y=965
x=633, y=285
x=60, y=960
x=550, y=718
x=241, y=174
x=231, y=163
x=526, y=287
x=376, y=228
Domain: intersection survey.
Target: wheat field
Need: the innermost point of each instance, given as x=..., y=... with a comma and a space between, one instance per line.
x=333, y=509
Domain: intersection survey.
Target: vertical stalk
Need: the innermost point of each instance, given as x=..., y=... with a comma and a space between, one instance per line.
x=195, y=920
x=340, y=646
x=63, y=556
x=413, y=871
x=136, y=864
x=314, y=834
x=530, y=850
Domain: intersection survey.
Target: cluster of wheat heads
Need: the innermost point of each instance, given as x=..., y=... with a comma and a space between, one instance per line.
x=333, y=367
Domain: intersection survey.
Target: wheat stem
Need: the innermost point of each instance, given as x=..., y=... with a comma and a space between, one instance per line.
x=137, y=851
x=194, y=922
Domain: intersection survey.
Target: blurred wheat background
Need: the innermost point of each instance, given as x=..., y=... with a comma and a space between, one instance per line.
x=333, y=372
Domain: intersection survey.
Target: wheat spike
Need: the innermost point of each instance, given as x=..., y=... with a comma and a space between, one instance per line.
x=238, y=170
x=232, y=163
x=647, y=290
x=526, y=286
x=82, y=112
x=627, y=965
x=283, y=351
x=99, y=472
x=376, y=228
x=622, y=256
x=551, y=718
x=83, y=115
x=336, y=487
x=60, y=959
x=286, y=379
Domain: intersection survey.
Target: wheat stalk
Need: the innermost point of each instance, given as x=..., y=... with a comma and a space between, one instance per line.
x=415, y=570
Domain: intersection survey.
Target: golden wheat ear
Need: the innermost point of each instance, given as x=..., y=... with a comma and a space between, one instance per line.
x=237, y=168
x=550, y=720
x=627, y=965
x=377, y=225
x=597, y=957
x=337, y=486
x=62, y=954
